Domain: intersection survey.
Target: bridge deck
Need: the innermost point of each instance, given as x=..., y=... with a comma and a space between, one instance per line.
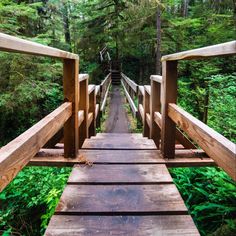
x=121, y=197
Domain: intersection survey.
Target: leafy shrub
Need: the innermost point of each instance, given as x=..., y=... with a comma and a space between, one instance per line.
x=29, y=201
x=210, y=195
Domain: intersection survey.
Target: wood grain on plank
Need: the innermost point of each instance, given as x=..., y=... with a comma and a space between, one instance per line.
x=214, y=144
x=125, y=199
x=222, y=49
x=119, y=144
x=163, y=225
x=120, y=174
x=14, y=44
x=16, y=154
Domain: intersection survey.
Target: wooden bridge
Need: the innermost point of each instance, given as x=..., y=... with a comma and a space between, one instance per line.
x=119, y=183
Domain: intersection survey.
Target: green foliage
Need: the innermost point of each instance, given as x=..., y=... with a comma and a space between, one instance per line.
x=30, y=199
x=210, y=195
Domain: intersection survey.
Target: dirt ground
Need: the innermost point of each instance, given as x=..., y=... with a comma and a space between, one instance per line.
x=117, y=121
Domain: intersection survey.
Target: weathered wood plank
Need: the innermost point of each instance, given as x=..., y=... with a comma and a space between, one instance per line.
x=121, y=199
x=222, y=49
x=117, y=174
x=14, y=44
x=183, y=158
x=16, y=154
x=147, y=88
x=120, y=144
x=165, y=225
x=214, y=144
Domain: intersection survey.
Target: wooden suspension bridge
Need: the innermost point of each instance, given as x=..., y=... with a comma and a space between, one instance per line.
x=119, y=184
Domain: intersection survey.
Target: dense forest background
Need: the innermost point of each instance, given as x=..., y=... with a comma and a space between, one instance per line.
x=136, y=33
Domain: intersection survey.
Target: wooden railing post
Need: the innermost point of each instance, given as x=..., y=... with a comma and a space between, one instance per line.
x=168, y=127
x=155, y=106
x=71, y=94
x=146, y=109
x=92, y=109
x=83, y=105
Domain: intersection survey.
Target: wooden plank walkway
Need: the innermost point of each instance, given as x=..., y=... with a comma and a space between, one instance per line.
x=130, y=195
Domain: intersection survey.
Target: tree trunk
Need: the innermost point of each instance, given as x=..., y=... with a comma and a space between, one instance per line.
x=185, y=8
x=206, y=103
x=158, y=49
x=66, y=24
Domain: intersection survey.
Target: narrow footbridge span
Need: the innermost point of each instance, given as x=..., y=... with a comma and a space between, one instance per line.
x=119, y=184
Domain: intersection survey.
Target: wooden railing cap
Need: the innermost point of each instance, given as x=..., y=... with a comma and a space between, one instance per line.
x=157, y=78
x=83, y=77
x=222, y=49
x=10, y=43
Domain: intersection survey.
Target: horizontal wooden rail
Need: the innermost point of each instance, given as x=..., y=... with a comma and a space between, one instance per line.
x=105, y=80
x=157, y=118
x=223, y=49
x=141, y=89
x=90, y=118
x=148, y=119
x=183, y=158
x=16, y=154
x=97, y=90
x=130, y=100
x=105, y=98
x=81, y=117
x=91, y=88
x=96, y=110
x=13, y=44
x=147, y=88
x=130, y=82
x=83, y=77
x=214, y=144
x=157, y=78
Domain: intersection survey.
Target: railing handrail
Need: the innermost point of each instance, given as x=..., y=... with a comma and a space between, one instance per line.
x=10, y=43
x=223, y=49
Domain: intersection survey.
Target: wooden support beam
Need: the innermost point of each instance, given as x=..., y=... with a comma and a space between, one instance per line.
x=169, y=96
x=146, y=109
x=155, y=108
x=16, y=154
x=71, y=94
x=214, y=144
x=83, y=77
x=92, y=109
x=223, y=49
x=179, y=135
x=83, y=105
x=183, y=158
x=14, y=44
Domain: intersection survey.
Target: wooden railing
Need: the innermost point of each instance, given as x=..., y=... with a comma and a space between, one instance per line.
x=165, y=122
x=79, y=114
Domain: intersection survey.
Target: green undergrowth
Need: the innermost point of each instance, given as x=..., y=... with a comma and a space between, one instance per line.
x=210, y=195
x=29, y=201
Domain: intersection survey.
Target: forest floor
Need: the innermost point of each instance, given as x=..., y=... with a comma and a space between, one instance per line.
x=117, y=120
